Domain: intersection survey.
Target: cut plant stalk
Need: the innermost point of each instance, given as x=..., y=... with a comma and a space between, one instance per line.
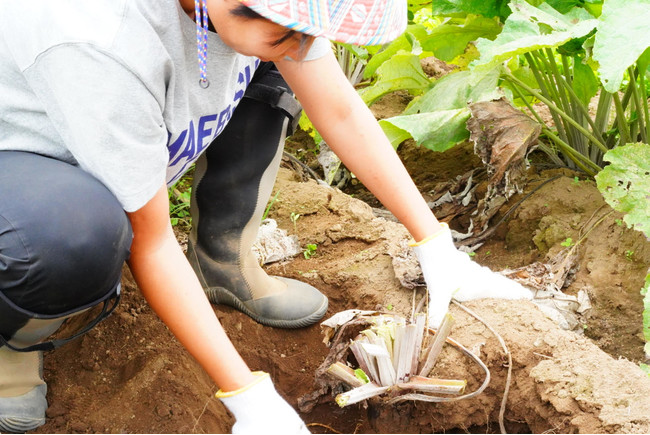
x=344, y=373
x=376, y=352
x=359, y=394
x=407, y=349
x=436, y=347
x=432, y=385
x=366, y=363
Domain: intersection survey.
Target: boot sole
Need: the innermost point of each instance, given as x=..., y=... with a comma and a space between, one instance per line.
x=219, y=295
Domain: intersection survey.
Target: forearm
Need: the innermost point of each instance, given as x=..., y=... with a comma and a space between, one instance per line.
x=352, y=132
x=173, y=291
x=364, y=149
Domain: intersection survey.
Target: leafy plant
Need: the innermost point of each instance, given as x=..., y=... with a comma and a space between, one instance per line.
x=268, y=207
x=294, y=218
x=562, y=53
x=566, y=59
x=568, y=242
x=179, y=206
x=625, y=184
x=310, y=250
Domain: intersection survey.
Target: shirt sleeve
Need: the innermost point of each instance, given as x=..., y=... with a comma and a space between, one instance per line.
x=318, y=49
x=107, y=118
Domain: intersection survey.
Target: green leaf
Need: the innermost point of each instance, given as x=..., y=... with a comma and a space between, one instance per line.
x=625, y=184
x=621, y=38
x=448, y=41
x=487, y=8
x=306, y=126
x=455, y=91
x=576, y=46
x=361, y=375
x=529, y=28
x=437, y=119
x=595, y=7
x=394, y=134
x=402, y=72
x=585, y=83
x=644, y=61
x=403, y=43
x=437, y=131
x=564, y=6
x=525, y=74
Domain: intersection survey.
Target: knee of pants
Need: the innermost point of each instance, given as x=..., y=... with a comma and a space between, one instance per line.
x=64, y=247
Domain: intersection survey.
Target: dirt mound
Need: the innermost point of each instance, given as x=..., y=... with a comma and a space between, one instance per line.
x=130, y=375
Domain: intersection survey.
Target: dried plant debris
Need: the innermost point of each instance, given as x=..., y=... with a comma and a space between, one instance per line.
x=273, y=244
x=548, y=280
x=385, y=357
x=405, y=264
x=503, y=136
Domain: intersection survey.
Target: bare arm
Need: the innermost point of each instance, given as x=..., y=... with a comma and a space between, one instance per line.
x=173, y=291
x=350, y=129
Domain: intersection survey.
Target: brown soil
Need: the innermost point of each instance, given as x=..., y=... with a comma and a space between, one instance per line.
x=130, y=375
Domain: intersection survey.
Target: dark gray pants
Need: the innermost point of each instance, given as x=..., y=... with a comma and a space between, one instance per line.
x=63, y=240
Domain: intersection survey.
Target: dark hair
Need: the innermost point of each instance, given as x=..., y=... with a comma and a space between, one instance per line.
x=245, y=12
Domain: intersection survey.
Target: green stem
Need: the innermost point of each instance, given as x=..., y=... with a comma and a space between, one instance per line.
x=530, y=106
x=644, y=99
x=553, y=107
x=557, y=75
x=620, y=119
x=543, y=87
x=552, y=154
x=577, y=158
x=603, y=110
x=623, y=107
x=584, y=109
x=552, y=86
x=576, y=138
x=637, y=105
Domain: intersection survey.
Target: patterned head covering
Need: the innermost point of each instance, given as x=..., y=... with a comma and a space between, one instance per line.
x=359, y=22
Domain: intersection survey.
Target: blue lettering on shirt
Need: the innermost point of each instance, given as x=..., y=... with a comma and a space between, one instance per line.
x=188, y=145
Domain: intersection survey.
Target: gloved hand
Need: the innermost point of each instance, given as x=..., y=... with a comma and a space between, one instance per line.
x=450, y=273
x=258, y=408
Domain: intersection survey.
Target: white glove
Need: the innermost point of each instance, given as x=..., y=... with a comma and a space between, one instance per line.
x=259, y=409
x=450, y=273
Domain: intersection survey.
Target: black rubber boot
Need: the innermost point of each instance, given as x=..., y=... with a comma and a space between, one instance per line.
x=233, y=181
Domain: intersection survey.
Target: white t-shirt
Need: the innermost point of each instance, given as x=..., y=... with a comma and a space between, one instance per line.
x=113, y=87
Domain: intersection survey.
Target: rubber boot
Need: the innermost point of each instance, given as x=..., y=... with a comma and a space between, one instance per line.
x=22, y=388
x=233, y=181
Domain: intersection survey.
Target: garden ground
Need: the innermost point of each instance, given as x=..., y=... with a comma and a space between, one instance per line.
x=130, y=375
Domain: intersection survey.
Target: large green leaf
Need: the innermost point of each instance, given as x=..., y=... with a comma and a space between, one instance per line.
x=437, y=119
x=487, y=8
x=403, y=43
x=448, y=41
x=455, y=91
x=584, y=83
x=394, y=134
x=625, y=184
x=401, y=72
x=621, y=38
x=437, y=131
x=529, y=28
x=644, y=61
